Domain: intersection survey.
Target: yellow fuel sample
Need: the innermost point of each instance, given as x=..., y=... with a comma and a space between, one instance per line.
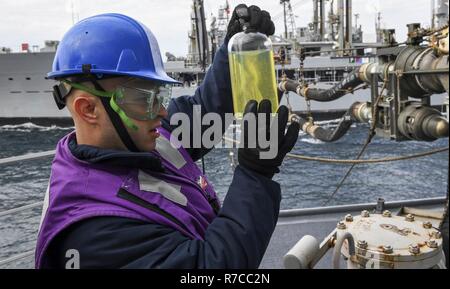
x=252, y=78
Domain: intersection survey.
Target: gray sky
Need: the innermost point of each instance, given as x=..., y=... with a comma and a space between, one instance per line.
x=31, y=21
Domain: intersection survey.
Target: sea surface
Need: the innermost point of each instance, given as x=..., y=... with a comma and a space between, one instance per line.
x=304, y=184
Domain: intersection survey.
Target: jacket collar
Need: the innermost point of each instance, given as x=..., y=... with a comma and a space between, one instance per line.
x=95, y=155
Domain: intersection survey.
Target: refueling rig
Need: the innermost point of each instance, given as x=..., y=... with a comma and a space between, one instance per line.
x=402, y=82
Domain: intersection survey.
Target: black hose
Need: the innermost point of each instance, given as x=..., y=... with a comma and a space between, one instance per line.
x=351, y=81
x=326, y=134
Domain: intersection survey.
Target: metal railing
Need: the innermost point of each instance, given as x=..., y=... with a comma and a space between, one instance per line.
x=27, y=157
x=12, y=160
x=20, y=209
x=283, y=213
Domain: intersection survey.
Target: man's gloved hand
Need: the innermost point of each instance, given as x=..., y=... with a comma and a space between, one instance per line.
x=253, y=18
x=249, y=157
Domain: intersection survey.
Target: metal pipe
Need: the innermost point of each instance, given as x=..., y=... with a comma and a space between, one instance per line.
x=285, y=21
x=17, y=257
x=430, y=71
x=358, y=207
x=327, y=134
x=362, y=112
x=340, y=238
x=341, y=24
x=422, y=123
x=348, y=24
x=413, y=59
x=27, y=157
x=322, y=20
x=382, y=69
x=351, y=81
x=20, y=209
x=316, y=16
x=433, y=19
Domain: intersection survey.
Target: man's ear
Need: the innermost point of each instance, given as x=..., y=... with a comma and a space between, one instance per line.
x=86, y=108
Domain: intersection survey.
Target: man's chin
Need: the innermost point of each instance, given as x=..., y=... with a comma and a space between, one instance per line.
x=148, y=147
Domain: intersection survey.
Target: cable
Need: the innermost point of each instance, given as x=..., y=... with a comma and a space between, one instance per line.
x=366, y=144
x=369, y=161
x=355, y=161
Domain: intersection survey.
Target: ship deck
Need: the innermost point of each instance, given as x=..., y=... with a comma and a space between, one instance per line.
x=320, y=222
x=292, y=226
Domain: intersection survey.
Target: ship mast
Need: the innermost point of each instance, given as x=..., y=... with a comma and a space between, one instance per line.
x=218, y=28
x=378, y=30
x=289, y=19
x=439, y=13
x=200, y=34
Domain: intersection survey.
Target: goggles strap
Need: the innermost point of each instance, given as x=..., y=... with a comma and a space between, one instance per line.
x=128, y=122
x=116, y=120
x=96, y=92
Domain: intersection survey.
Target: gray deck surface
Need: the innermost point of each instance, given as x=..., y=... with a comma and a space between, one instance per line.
x=292, y=226
x=290, y=230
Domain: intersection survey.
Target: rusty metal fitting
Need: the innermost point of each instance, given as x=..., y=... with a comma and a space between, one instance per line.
x=387, y=249
x=432, y=244
x=387, y=214
x=349, y=218
x=409, y=218
x=427, y=225
x=414, y=249
x=341, y=226
x=365, y=214
x=362, y=244
x=436, y=235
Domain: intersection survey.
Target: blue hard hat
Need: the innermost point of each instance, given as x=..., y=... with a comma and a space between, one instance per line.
x=109, y=44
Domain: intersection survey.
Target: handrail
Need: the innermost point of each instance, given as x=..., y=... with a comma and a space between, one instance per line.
x=17, y=257
x=20, y=209
x=10, y=160
x=303, y=212
x=359, y=207
x=27, y=157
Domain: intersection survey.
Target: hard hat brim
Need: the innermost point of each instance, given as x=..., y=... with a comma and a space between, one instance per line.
x=147, y=75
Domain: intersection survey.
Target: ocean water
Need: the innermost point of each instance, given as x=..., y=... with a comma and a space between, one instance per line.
x=304, y=184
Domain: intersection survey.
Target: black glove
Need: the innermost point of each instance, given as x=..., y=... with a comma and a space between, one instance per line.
x=253, y=18
x=250, y=157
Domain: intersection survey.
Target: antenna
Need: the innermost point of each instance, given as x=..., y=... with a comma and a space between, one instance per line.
x=285, y=17
x=356, y=19
x=433, y=14
x=288, y=17
x=378, y=27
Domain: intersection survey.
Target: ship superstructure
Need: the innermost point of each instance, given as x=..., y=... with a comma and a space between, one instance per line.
x=324, y=52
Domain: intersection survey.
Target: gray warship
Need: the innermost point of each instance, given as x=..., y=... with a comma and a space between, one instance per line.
x=333, y=44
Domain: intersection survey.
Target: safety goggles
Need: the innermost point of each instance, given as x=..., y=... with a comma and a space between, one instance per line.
x=129, y=101
x=142, y=104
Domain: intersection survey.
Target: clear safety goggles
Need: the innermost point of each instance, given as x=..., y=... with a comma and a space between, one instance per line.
x=140, y=103
x=133, y=102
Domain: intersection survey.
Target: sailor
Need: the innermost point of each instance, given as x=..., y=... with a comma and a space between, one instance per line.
x=121, y=195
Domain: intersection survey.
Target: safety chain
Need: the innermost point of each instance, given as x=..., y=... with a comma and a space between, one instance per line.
x=305, y=85
x=283, y=60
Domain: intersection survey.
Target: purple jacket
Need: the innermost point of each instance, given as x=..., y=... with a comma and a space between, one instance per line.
x=180, y=197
